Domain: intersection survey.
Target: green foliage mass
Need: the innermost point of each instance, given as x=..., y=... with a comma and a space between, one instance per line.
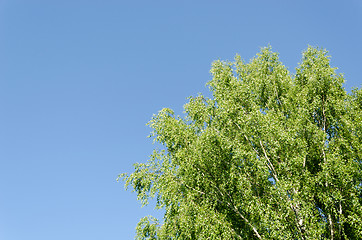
x=271, y=155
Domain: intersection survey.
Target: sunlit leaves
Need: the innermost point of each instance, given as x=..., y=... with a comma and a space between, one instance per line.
x=270, y=156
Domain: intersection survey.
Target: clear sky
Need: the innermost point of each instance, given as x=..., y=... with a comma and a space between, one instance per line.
x=80, y=79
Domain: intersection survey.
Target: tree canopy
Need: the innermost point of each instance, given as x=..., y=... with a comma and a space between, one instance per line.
x=272, y=155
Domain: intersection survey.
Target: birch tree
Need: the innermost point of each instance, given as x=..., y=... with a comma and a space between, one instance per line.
x=271, y=155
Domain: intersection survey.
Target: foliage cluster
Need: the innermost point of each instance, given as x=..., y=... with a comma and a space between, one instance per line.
x=272, y=155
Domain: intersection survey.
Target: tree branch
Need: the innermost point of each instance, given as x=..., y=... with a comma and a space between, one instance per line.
x=331, y=224
x=232, y=206
x=271, y=165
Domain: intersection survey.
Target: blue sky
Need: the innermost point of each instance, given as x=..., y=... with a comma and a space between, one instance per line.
x=80, y=79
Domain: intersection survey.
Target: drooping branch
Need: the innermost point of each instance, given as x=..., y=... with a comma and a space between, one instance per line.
x=231, y=205
x=274, y=174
